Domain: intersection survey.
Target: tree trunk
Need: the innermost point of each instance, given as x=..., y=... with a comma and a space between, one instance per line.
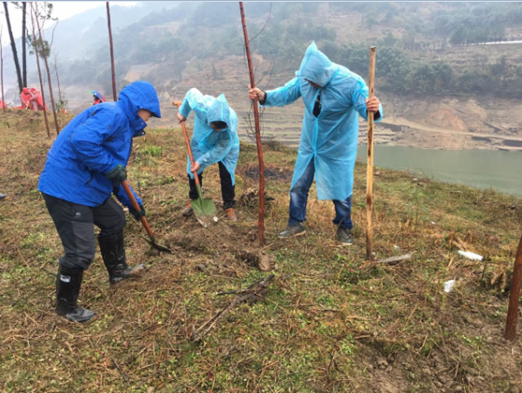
x=2, y=71
x=261, y=218
x=41, y=81
x=13, y=47
x=112, y=54
x=24, y=46
x=57, y=78
x=47, y=68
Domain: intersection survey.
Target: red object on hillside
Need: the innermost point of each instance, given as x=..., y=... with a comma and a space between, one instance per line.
x=37, y=96
x=2, y=104
x=27, y=99
x=32, y=99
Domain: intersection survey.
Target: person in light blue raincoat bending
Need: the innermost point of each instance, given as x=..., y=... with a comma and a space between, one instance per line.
x=334, y=97
x=214, y=141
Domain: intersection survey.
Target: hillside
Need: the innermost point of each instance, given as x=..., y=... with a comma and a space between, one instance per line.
x=440, y=85
x=328, y=321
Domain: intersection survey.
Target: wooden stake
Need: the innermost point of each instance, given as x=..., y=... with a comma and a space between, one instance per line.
x=114, y=95
x=2, y=70
x=35, y=10
x=40, y=77
x=369, y=172
x=261, y=218
x=511, y=323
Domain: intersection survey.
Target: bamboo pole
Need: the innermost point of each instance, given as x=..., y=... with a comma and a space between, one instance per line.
x=35, y=10
x=2, y=70
x=369, y=172
x=511, y=322
x=261, y=218
x=113, y=72
x=40, y=77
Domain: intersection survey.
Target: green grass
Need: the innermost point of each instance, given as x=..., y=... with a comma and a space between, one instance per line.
x=327, y=322
x=152, y=150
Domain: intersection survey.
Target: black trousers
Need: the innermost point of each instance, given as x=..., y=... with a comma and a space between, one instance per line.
x=75, y=225
x=227, y=189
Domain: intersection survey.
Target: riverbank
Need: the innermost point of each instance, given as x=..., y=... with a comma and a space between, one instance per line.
x=481, y=169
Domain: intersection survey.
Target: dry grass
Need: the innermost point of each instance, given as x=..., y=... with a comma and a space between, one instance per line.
x=329, y=321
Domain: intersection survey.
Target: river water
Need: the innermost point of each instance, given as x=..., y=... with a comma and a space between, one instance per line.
x=501, y=170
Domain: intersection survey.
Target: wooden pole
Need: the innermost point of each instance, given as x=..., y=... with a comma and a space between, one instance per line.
x=261, y=218
x=49, y=81
x=24, y=45
x=40, y=77
x=2, y=70
x=369, y=172
x=511, y=322
x=113, y=72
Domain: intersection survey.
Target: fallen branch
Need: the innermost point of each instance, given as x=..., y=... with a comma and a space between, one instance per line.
x=123, y=375
x=394, y=260
x=254, y=291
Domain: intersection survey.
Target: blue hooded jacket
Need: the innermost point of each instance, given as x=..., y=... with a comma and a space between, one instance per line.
x=329, y=139
x=209, y=146
x=93, y=143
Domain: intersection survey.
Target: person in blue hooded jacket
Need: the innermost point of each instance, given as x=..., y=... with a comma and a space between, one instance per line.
x=85, y=165
x=214, y=140
x=334, y=97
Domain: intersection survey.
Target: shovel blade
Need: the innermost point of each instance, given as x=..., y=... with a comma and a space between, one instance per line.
x=157, y=246
x=203, y=207
x=204, y=210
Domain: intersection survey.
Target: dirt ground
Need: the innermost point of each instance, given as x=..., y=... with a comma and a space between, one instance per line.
x=329, y=321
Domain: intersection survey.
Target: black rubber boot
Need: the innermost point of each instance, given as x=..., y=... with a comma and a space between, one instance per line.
x=113, y=253
x=68, y=284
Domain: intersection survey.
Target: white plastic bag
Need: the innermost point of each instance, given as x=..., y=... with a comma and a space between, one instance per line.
x=448, y=286
x=471, y=255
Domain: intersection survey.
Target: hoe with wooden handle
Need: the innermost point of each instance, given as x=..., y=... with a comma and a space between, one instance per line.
x=144, y=221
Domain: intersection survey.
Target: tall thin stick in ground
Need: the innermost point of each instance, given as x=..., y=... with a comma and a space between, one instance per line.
x=44, y=54
x=2, y=69
x=24, y=44
x=112, y=54
x=369, y=172
x=511, y=322
x=35, y=45
x=57, y=77
x=261, y=219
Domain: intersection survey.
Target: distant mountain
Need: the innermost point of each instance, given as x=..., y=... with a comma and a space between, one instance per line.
x=170, y=43
x=78, y=37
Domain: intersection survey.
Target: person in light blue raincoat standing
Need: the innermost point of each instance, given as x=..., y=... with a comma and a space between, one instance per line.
x=214, y=141
x=334, y=97
x=84, y=167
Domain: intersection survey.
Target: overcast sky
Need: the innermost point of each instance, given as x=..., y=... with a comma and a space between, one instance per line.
x=61, y=9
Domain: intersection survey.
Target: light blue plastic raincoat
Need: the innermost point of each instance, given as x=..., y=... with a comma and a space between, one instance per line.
x=330, y=139
x=209, y=146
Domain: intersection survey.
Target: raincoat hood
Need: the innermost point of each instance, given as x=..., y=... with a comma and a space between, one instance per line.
x=316, y=66
x=97, y=95
x=139, y=95
x=219, y=111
